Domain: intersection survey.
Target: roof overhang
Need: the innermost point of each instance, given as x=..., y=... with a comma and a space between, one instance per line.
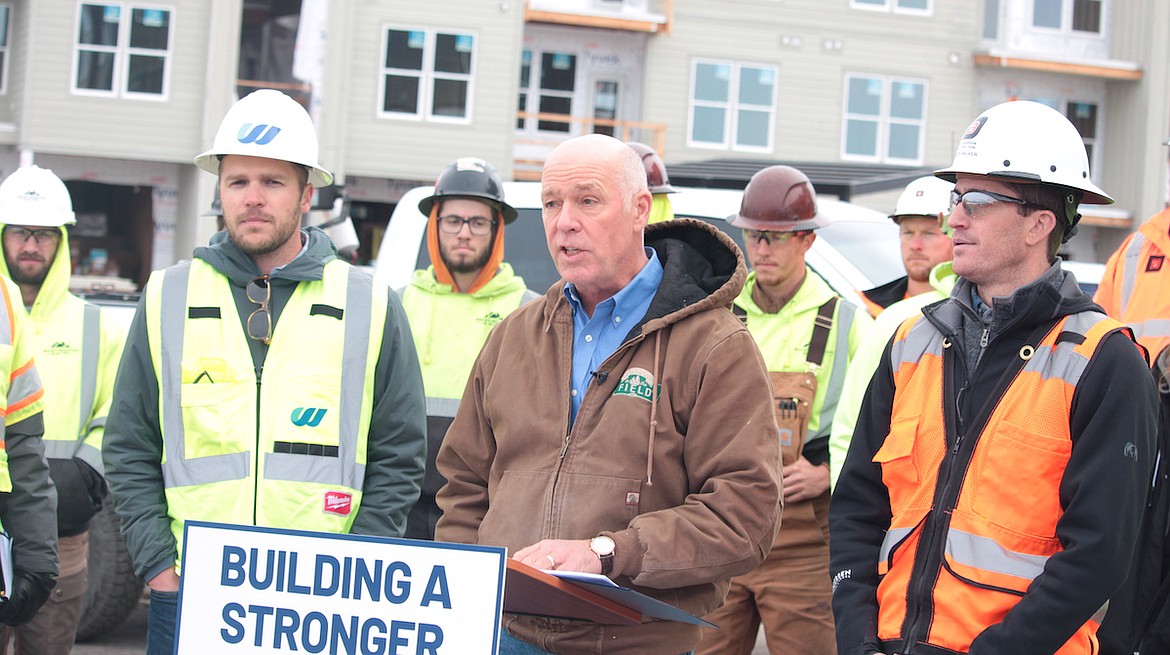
x=649, y=23
x=1100, y=69
x=843, y=180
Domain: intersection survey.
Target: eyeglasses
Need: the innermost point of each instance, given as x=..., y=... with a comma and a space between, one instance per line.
x=260, y=321
x=479, y=226
x=976, y=202
x=41, y=236
x=769, y=236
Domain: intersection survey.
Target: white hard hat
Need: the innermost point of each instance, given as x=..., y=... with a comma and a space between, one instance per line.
x=1024, y=141
x=35, y=196
x=267, y=123
x=925, y=196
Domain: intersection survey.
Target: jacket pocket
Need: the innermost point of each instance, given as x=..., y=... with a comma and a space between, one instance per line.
x=896, y=456
x=1020, y=467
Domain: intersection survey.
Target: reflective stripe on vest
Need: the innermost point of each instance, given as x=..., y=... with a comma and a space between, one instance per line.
x=844, y=325
x=90, y=354
x=1133, y=254
x=442, y=407
x=180, y=470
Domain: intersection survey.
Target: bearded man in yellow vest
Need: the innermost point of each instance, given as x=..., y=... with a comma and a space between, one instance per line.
x=77, y=349
x=453, y=303
x=264, y=382
x=995, y=484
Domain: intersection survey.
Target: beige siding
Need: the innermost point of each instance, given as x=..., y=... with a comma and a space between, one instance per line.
x=418, y=150
x=811, y=90
x=55, y=120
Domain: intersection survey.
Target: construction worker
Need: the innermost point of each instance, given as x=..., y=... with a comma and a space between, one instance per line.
x=456, y=301
x=77, y=349
x=1135, y=288
x=996, y=479
x=265, y=382
x=27, y=495
x=806, y=334
x=657, y=180
x=921, y=218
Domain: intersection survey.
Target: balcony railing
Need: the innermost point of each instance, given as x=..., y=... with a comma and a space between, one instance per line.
x=530, y=150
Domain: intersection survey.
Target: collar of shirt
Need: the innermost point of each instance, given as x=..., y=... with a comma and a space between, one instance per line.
x=596, y=337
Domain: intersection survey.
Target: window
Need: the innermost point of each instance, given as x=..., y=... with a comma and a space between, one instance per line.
x=427, y=75
x=991, y=20
x=122, y=50
x=5, y=14
x=884, y=119
x=1067, y=15
x=896, y=6
x=733, y=106
x=548, y=88
x=1083, y=115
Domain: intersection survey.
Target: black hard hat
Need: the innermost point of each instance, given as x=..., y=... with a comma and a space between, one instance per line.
x=470, y=177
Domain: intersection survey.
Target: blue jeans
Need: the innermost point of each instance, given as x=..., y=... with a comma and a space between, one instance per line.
x=510, y=645
x=160, y=622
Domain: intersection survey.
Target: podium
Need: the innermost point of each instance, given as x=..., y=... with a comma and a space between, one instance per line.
x=528, y=590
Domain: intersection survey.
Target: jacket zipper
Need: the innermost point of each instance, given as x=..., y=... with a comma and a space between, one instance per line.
x=256, y=451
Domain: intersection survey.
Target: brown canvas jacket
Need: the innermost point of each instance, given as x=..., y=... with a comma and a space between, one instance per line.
x=686, y=481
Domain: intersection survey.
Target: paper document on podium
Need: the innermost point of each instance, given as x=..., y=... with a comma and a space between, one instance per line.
x=648, y=606
x=583, y=596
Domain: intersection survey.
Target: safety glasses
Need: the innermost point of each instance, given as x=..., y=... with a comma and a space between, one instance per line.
x=754, y=237
x=976, y=202
x=41, y=237
x=260, y=321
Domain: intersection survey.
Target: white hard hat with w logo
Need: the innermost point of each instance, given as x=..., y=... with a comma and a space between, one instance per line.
x=269, y=124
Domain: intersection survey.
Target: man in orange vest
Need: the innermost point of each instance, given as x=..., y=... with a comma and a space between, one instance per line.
x=996, y=479
x=1136, y=286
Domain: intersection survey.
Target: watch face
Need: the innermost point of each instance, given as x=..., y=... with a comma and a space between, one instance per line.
x=602, y=545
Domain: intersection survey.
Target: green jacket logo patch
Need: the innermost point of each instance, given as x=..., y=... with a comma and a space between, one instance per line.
x=637, y=382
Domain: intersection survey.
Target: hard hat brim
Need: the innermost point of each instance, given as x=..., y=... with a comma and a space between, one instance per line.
x=817, y=221
x=318, y=177
x=1092, y=194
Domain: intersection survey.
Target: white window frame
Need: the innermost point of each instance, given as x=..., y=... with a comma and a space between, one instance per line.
x=893, y=6
x=6, y=48
x=427, y=76
x=122, y=52
x=1067, y=7
x=884, y=120
x=732, y=107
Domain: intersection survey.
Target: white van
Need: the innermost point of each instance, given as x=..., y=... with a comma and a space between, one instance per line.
x=859, y=250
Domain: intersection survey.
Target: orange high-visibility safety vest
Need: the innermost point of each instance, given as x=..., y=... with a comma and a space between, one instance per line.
x=995, y=524
x=1133, y=289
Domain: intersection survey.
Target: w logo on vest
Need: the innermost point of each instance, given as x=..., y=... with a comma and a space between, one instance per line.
x=259, y=134
x=311, y=416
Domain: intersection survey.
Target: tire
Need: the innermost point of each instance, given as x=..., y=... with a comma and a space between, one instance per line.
x=114, y=589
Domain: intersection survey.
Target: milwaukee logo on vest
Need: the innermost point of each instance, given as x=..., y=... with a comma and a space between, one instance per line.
x=310, y=416
x=260, y=134
x=338, y=502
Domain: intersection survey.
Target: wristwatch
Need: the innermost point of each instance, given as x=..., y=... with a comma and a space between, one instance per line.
x=603, y=546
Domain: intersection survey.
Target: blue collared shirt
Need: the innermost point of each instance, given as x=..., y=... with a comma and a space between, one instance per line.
x=596, y=337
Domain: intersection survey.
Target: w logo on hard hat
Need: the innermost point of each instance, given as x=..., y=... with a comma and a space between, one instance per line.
x=258, y=134
x=310, y=416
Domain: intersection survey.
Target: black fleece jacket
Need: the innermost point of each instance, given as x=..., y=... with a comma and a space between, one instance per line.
x=1102, y=492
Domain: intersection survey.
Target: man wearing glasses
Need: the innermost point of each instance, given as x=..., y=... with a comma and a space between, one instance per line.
x=456, y=301
x=995, y=483
x=265, y=382
x=806, y=334
x=77, y=352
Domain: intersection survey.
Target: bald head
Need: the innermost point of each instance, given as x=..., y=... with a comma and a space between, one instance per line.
x=629, y=175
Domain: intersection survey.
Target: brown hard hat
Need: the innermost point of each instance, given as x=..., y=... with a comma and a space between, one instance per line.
x=656, y=176
x=779, y=199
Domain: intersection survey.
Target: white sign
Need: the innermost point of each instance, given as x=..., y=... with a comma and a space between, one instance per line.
x=250, y=590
